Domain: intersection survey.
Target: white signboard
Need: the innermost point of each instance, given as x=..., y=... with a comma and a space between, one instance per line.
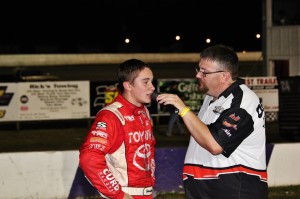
x=266, y=89
x=54, y=100
x=8, y=102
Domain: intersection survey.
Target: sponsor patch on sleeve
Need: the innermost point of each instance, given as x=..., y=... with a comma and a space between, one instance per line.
x=101, y=125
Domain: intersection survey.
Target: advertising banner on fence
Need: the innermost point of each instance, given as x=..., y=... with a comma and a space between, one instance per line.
x=83, y=99
x=53, y=100
x=101, y=94
x=187, y=89
x=8, y=102
x=267, y=90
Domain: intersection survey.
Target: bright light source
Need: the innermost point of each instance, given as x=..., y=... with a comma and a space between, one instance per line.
x=177, y=37
x=257, y=36
x=208, y=40
x=127, y=40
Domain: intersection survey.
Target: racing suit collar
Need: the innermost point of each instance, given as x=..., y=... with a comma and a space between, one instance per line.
x=133, y=108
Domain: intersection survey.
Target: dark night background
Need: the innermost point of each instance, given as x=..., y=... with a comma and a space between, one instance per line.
x=101, y=26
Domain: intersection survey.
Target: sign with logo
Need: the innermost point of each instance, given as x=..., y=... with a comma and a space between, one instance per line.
x=186, y=89
x=266, y=89
x=53, y=100
x=8, y=102
x=102, y=93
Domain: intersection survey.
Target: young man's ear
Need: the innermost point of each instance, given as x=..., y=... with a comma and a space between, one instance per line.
x=126, y=85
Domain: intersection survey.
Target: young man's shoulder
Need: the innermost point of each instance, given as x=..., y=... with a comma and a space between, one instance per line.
x=112, y=109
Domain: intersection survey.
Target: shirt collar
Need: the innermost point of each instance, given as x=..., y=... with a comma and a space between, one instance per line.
x=232, y=87
x=133, y=108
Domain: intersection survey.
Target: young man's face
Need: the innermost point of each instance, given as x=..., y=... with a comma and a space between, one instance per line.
x=141, y=88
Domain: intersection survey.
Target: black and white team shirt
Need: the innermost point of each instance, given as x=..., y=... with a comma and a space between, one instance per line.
x=237, y=122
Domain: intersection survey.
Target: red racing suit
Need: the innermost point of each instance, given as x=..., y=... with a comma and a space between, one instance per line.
x=117, y=155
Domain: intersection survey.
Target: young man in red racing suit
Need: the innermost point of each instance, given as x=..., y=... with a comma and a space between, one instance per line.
x=117, y=156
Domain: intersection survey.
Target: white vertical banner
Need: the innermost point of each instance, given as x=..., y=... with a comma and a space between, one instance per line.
x=54, y=100
x=8, y=102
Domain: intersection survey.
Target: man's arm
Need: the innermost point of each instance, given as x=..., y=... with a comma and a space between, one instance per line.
x=196, y=127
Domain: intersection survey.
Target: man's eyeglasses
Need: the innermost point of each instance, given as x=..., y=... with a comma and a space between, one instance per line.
x=207, y=73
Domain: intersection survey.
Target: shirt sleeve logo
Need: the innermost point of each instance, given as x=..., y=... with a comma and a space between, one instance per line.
x=231, y=121
x=235, y=118
x=98, y=140
x=99, y=133
x=101, y=125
